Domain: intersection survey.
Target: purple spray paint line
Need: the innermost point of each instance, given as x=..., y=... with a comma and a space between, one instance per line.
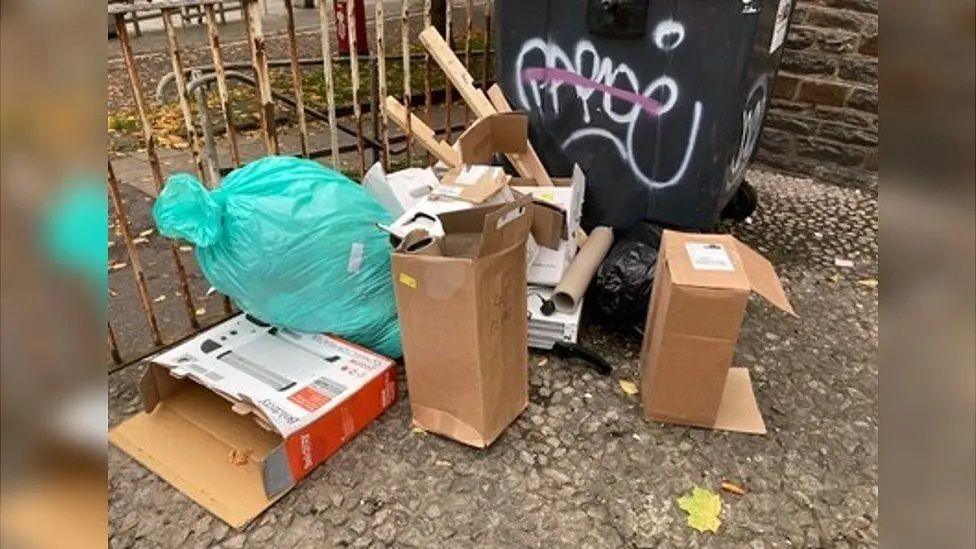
x=551, y=75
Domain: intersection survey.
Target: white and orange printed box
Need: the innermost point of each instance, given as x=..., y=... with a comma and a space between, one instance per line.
x=242, y=412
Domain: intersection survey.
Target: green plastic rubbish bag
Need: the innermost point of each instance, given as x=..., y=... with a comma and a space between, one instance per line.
x=292, y=243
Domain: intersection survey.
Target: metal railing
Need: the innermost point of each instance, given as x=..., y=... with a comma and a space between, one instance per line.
x=192, y=84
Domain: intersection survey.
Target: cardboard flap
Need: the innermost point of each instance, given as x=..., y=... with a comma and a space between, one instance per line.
x=762, y=278
x=502, y=132
x=196, y=443
x=506, y=226
x=548, y=223
x=738, y=411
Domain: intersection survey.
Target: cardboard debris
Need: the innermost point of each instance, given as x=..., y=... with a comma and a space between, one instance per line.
x=239, y=414
x=701, y=287
x=461, y=301
x=566, y=195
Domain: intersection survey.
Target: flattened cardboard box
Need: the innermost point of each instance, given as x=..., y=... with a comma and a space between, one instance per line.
x=701, y=288
x=238, y=415
x=462, y=308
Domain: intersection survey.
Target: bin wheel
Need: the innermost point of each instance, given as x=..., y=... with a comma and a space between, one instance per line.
x=742, y=203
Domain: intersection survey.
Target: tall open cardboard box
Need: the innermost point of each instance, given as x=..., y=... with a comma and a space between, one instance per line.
x=238, y=415
x=461, y=301
x=701, y=288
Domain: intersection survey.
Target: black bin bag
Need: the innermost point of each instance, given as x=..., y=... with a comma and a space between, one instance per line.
x=622, y=289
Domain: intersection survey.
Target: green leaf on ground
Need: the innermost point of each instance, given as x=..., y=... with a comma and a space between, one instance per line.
x=703, y=508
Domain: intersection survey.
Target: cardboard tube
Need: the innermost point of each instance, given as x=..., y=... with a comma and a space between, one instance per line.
x=568, y=293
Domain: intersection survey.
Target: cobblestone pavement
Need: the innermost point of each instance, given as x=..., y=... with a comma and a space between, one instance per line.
x=581, y=468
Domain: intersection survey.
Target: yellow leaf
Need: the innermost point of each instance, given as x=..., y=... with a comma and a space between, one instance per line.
x=160, y=298
x=869, y=282
x=703, y=508
x=201, y=311
x=117, y=266
x=543, y=361
x=147, y=232
x=628, y=386
x=186, y=248
x=139, y=240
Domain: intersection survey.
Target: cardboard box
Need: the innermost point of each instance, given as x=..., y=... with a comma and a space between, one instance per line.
x=474, y=181
x=566, y=195
x=701, y=288
x=239, y=414
x=461, y=302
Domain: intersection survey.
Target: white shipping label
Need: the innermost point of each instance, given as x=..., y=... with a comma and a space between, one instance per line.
x=782, y=22
x=707, y=256
x=355, y=257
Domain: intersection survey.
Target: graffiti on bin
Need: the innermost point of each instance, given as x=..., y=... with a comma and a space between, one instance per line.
x=589, y=73
x=752, y=117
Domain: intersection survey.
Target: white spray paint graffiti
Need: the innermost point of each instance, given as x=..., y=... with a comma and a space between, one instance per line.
x=752, y=117
x=587, y=72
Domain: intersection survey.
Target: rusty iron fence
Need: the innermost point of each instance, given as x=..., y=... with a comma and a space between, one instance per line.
x=194, y=84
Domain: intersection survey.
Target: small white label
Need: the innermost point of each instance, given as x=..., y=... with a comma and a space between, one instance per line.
x=709, y=257
x=782, y=21
x=355, y=257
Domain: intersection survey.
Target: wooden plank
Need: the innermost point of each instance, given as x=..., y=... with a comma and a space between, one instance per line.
x=526, y=164
x=423, y=133
x=530, y=158
x=455, y=72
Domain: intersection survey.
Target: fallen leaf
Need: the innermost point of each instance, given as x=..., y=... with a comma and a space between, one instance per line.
x=703, y=508
x=734, y=488
x=113, y=293
x=834, y=278
x=628, y=387
x=201, y=311
x=869, y=282
x=140, y=240
x=186, y=248
x=111, y=243
x=147, y=232
x=160, y=298
x=117, y=266
x=418, y=431
x=543, y=361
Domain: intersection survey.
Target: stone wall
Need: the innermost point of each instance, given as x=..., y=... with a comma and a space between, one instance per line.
x=824, y=115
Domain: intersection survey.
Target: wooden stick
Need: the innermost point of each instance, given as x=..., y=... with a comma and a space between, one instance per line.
x=530, y=158
x=422, y=132
x=456, y=72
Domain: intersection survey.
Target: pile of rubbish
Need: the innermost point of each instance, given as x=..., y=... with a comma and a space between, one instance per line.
x=459, y=268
